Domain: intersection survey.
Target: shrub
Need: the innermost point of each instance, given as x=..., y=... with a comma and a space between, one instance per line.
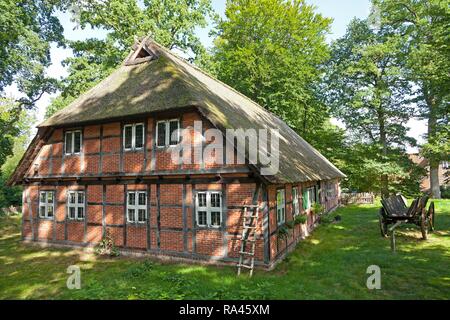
x=300, y=219
x=290, y=224
x=445, y=192
x=317, y=208
x=283, y=232
x=325, y=219
x=106, y=246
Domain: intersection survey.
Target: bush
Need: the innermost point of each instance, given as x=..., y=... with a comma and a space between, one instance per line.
x=325, y=219
x=106, y=247
x=300, y=219
x=283, y=232
x=317, y=208
x=445, y=192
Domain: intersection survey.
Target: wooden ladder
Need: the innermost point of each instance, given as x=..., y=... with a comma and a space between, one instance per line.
x=248, y=239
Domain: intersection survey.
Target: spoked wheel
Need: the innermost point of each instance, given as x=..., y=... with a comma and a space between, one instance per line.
x=383, y=226
x=424, y=225
x=431, y=216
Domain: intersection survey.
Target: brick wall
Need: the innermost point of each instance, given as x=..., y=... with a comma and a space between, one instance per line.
x=102, y=153
x=171, y=227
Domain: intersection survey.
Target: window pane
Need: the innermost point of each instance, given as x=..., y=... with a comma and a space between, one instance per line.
x=77, y=142
x=49, y=197
x=215, y=218
x=141, y=200
x=42, y=211
x=161, y=138
x=201, y=218
x=128, y=137
x=173, y=127
x=68, y=142
x=50, y=211
x=215, y=200
x=71, y=212
x=81, y=197
x=141, y=215
x=201, y=199
x=80, y=213
x=131, y=198
x=42, y=199
x=139, y=139
x=72, y=197
x=131, y=215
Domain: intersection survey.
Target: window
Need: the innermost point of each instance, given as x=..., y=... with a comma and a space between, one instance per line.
x=281, y=214
x=209, y=208
x=133, y=136
x=308, y=198
x=75, y=205
x=167, y=133
x=331, y=194
x=46, y=204
x=445, y=165
x=137, y=206
x=295, y=203
x=73, y=142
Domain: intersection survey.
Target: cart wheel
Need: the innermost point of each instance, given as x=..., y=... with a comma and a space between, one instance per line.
x=383, y=226
x=424, y=224
x=431, y=216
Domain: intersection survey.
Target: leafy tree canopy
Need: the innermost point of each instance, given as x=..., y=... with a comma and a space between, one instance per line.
x=272, y=51
x=170, y=22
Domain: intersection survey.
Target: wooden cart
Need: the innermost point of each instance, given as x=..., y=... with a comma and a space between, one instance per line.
x=395, y=212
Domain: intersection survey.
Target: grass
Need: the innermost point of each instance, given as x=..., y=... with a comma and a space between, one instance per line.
x=331, y=264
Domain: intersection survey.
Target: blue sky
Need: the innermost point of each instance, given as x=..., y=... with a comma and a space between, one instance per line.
x=342, y=11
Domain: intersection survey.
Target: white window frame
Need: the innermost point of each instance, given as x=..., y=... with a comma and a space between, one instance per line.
x=445, y=165
x=133, y=136
x=76, y=205
x=136, y=207
x=167, y=133
x=208, y=209
x=47, y=205
x=281, y=215
x=72, y=137
x=295, y=202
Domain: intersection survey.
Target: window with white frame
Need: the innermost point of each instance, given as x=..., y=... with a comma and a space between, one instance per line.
x=445, y=165
x=75, y=205
x=137, y=206
x=133, y=136
x=308, y=198
x=46, y=204
x=281, y=212
x=167, y=133
x=208, y=206
x=72, y=142
x=295, y=203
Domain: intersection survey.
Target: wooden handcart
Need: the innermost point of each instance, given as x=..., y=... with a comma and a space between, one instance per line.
x=395, y=212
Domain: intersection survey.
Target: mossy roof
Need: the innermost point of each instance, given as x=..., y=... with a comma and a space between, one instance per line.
x=170, y=82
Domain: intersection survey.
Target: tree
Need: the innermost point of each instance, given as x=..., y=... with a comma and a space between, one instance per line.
x=26, y=30
x=366, y=88
x=272, y=51
x=170, y=22
x=15, y=134
x=424, y=25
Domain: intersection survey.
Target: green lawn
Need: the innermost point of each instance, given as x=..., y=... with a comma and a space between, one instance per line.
x=331, y=264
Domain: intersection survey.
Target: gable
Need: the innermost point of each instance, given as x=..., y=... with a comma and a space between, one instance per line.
x=166, y=82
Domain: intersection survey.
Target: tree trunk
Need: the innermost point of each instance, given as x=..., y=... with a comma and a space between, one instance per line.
x=383, y=141
x=434, y=163
x=434, y=181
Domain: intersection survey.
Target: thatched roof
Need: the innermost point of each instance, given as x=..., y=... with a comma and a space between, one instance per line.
x=163, y=81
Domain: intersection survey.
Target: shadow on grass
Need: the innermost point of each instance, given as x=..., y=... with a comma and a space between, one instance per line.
x=330, y=264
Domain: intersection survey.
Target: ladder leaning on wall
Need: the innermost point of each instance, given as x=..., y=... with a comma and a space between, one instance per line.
x=248, y=239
